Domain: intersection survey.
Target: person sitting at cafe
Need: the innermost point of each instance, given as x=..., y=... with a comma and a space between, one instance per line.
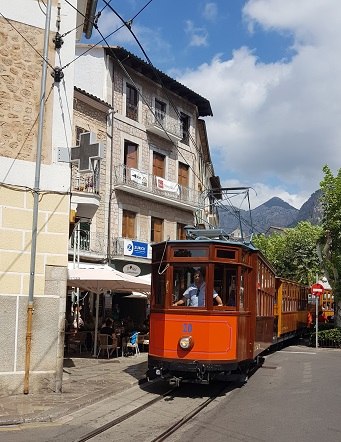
x=107, y=329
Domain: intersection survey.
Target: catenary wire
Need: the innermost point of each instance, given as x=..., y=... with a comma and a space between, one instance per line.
x=128, y=25
x=140, y=94
x=24, y=38
x=29, y=132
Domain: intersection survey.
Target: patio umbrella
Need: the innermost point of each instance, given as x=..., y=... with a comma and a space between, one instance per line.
x=99, y=280
x=103, y=278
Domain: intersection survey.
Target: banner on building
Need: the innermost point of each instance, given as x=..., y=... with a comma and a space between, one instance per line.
x=167, y=186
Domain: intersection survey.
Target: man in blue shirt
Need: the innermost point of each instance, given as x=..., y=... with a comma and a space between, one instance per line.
x=196, y=293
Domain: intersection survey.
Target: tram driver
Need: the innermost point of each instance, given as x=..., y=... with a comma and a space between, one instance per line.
x=195, y=293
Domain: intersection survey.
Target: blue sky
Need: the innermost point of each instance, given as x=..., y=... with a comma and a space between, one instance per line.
x=271, y=71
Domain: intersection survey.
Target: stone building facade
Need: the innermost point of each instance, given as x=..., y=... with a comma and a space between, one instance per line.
x=31, y=356
x=145, y=158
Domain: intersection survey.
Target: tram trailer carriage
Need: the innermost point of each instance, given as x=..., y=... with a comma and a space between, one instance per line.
x=209, y=341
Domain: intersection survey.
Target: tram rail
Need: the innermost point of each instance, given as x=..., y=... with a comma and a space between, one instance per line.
x=171, y=429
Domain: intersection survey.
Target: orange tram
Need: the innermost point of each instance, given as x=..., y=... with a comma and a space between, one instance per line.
x=207, y=341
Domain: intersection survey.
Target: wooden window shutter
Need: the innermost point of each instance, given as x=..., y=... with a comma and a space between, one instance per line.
x=183, y=178
x=158, y=165
x=130, y=155
x=157, y=230
x=128, y=224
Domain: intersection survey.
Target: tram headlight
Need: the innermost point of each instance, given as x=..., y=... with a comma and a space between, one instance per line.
x=186, y=342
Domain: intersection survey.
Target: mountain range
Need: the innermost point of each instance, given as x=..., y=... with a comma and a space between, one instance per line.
x=273, y=214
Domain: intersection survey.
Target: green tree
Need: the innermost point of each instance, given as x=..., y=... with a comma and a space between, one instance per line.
x=293, y=252
x=330, y=241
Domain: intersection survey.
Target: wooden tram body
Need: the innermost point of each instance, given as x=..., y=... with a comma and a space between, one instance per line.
x=205, y=342
x=291, y=308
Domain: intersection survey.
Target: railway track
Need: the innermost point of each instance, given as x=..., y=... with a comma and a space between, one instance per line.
x=168, y=430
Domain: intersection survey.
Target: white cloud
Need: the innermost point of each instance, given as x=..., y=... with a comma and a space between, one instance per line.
x=278, y=123
x=198, y=36
x=210, y=11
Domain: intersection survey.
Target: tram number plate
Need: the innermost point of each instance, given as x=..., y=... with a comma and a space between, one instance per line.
x=187, y=328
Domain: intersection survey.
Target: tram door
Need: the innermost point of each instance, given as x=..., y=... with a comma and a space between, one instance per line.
x=231, y=282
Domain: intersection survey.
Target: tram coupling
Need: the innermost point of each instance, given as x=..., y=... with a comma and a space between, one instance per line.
x=174, y=381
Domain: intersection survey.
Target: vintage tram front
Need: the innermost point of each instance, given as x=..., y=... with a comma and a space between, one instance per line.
x=202, y=342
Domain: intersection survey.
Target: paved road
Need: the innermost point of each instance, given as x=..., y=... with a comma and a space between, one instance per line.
x=295, y=397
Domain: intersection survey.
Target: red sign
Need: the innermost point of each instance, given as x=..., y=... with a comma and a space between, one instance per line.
x=317, y=289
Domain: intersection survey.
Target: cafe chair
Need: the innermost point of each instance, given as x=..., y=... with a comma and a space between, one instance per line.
x=103, y=345
x=133, y=344
x=76, y=341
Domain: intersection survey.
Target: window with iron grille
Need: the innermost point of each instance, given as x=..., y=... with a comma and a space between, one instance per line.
x=131, y=102
x=185, y=120
x=160, y=109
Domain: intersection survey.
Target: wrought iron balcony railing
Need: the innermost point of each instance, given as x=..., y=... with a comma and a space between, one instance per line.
x=162, y=121
x=154, y=185
x=87, y=243
x=86, y=182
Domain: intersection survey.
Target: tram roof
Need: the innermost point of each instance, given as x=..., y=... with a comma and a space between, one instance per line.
x=217, y=236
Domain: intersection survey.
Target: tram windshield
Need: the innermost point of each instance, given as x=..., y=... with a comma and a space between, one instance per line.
x=191, y=288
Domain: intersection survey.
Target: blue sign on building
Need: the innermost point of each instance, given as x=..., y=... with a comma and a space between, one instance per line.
x=137, y=249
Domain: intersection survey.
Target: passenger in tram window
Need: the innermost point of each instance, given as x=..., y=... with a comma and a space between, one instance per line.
x=195, y=294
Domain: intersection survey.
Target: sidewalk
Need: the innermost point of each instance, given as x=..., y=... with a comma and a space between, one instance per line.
x=85, y=381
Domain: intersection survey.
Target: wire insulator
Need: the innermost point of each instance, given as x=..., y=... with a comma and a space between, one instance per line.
x=58, y=41
x=57, y=74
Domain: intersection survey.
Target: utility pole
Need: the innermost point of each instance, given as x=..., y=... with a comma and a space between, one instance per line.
x=36, y=198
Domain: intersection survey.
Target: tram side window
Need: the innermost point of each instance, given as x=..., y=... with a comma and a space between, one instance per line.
x=225, y=281
x=159, y=290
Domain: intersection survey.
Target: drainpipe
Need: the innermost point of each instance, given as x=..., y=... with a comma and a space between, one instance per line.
x=36, y=199
x=112, y=113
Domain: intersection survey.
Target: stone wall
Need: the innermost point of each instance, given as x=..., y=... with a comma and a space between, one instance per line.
x=20, y=74
x=49, y=288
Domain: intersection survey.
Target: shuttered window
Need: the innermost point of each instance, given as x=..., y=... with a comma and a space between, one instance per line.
x=130, y=154
x=183, y=174
x=158, y=164
x=128, y=224
x=180, y=231
x=156, y=234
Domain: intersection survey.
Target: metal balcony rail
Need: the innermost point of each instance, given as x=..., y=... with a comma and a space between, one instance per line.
x=85, y=241
x=86, y=182
x=154, y=185
x=163, y=121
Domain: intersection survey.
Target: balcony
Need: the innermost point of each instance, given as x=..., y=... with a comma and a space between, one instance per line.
x=159, y=122
x=86, y=245
x=85, y=193
x=155, y=188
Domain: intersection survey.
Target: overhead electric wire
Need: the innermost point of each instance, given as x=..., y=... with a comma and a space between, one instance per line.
x=24, y=38
x=29, y=132
x=89, y=49
x=128, y=25
x=140, y=94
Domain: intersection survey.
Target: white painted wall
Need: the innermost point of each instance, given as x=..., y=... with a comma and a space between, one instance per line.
x=91, y=71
